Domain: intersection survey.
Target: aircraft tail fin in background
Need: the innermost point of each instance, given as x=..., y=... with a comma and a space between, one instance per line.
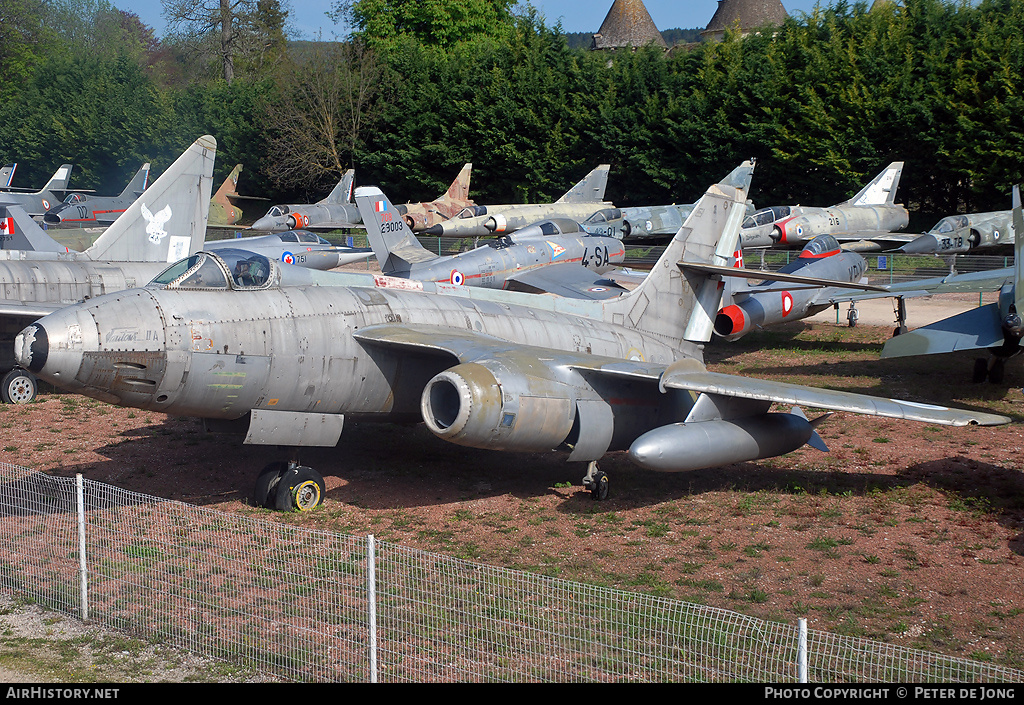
x=590, y=190
x=59, y=180
x=168, y=221
x=138, y=183
x=881, y=190
x=342, y=193
x=459, y=190
x=20, y=232
x=7, y=174
x=740, y=176
x=229, y=187
x=677, y=303
x=393, y=241
x=1017, y=219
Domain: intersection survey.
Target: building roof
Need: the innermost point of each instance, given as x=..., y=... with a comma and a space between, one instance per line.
x=628, y=24
x=748, y=13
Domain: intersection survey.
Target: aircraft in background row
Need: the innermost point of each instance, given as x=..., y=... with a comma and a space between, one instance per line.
x=956, y=234
x=578, y=203
x=996, y=327
x=482, y=368
x=80, y=209
x=38, y=202
x=553, y=256
x=166, y=223
x=866, y=222
x=7, y=175
x=334, y=211
x=224, y=208
x=298, y=247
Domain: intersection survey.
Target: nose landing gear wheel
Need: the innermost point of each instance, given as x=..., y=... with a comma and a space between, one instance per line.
x=18, y=387
x=596, y=481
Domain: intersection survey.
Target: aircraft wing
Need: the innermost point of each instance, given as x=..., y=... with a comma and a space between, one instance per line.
x=872, y=240
x=570, y=280
x=31, y=310
x=975, y=329
x=688, y=374
x=971, y=282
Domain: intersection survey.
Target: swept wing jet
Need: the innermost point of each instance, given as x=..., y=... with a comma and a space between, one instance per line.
x=334, y=211
x=166, y=223
x=996, y=327
x=292, y=353
x=421, y=216
x=86, y=209
x=37, y=203
x=578, y=203
x=644, y=222
x=7, y=175
x=553, y=256
x=298, y=247
x=865, y=222
x=955, y=234
x=224, y=208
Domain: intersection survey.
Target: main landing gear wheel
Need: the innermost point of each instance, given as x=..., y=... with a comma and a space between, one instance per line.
x=852, y=316
x=18, y=387
x=596, y=481
x=265, y=493
x=299, y=488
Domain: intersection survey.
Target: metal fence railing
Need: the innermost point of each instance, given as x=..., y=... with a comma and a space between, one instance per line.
x=311, y=605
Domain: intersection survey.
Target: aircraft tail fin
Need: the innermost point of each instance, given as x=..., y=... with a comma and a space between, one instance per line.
x=393, y=241
x=7, y=174
x=59, y=180
x=590, y=189
x=168, y=221
x=19, y=232
x=740, y=176
x=138, y=183
x=680, y=304
x=342, y=193
x=459, y=190
x=881, y=190
x=229, y=187
x=1018, y=251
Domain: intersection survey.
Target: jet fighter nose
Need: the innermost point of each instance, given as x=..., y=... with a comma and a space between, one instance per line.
x=266, y=223
x=31, y=348
x=50, y=348
x=922, y=245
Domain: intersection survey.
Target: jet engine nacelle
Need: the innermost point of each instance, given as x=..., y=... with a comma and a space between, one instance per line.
x=297, y=220
x=706, y=444
x=500, y=409
x=736, y=320
x=497, y=223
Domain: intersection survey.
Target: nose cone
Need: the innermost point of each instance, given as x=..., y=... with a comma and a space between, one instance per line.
x=923, y=245
x=51, y=348
x=269, y=224
x=32, y=348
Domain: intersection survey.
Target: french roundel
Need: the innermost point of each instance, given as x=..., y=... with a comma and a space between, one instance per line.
x=787, y=303
x=46, y=204
x=458, y=278
x=288, y=258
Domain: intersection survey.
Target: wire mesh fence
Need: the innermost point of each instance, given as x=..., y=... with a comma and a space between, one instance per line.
x=310, y=605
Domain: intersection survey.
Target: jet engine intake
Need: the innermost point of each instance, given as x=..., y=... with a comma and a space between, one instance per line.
x=496, y=223
x=469, y=405
x=705, y=444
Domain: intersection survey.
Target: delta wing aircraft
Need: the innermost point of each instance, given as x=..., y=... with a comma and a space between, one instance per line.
x=578, y=203
x=293, y=351
x=86, y=209
x=37, y=203
x=553, y=256
x=421, y=216
x=956, y=234
x=298, y=247
x=865, y=222
x=334, y=211
x=644, y=222
x=996, y=327
x=166, y=223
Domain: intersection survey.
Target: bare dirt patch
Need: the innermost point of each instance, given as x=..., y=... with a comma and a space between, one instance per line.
x=904, y=532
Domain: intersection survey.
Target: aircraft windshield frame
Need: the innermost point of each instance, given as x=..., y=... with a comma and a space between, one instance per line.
x=228, y=268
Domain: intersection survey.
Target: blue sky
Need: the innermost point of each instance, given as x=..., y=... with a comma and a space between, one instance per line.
x=576, y=15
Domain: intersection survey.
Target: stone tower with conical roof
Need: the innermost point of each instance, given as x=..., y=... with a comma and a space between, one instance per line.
x=627, y=25
x=748, y=14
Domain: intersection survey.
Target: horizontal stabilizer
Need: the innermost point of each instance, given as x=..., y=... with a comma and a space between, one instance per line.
x=976, y=329
x=775, y=276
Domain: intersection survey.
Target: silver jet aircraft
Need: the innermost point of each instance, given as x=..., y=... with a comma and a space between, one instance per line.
x=553, y=256
x=298, y=247
x=86, y=209
x=865, y=222
x=38, y=202
x=334, y=211
x=578, y=203
x=292, y=353
x=643, y=222
x=996, y=327
x=168, y=222
x=956, y=234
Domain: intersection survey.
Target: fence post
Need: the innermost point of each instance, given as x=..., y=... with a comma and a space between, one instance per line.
x=371, y=593
x=83, y=577
x=801, y=655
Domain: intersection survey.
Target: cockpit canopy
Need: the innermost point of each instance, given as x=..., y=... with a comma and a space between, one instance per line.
x=227, y=269
x=550, y=228
x=305, y=237
x=766, y=216
x=950, y=223
x=278, y=211
x=820, y=246
x=75, y=198
x=605, y=215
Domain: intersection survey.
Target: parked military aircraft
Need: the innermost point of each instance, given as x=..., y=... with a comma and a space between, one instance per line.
x=964, y=233
x=553, y=256
x=298, y=247
x=7, y=175
x=166, y=223
x=335, y=211
x=865, y=222
x=38, y=202
x=645, y=222
x=294, y=352
x=421, y=216
x=224, y=208
x=996, y=327
x=578, y=203
x=86, y=209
